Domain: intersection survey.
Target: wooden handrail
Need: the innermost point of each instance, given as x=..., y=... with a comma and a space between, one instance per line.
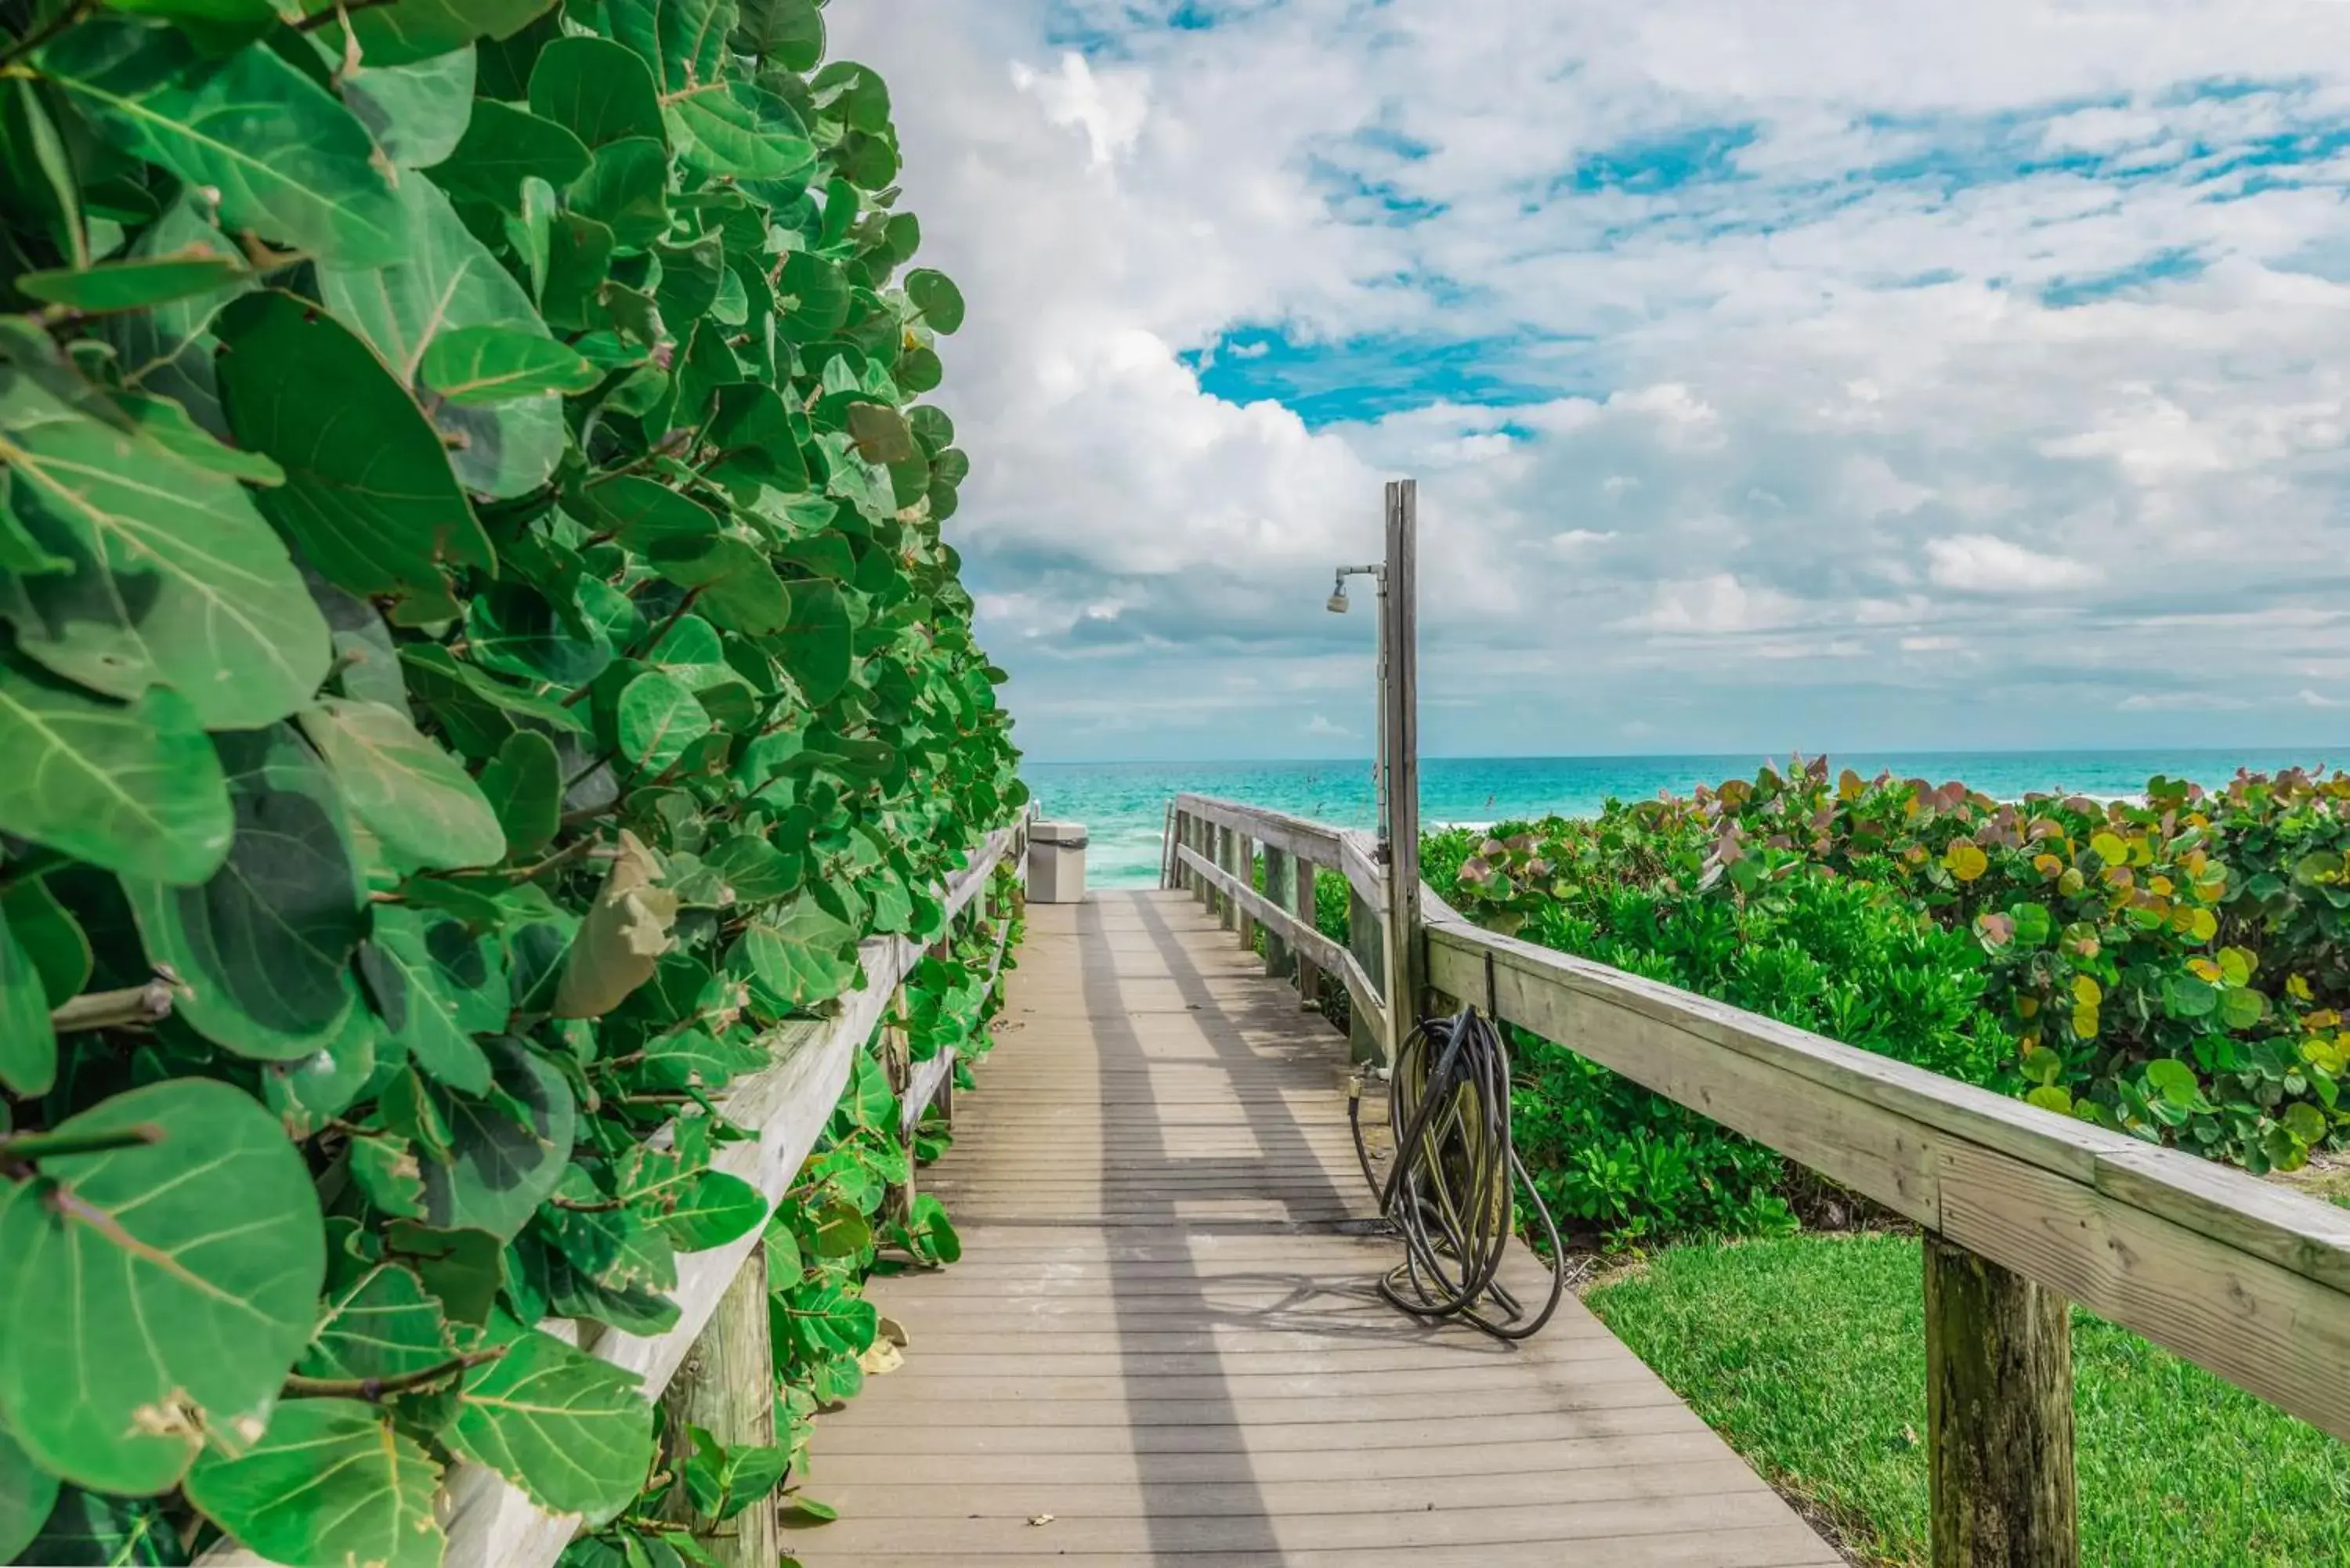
x=2024, y=1210
x=2240, y=1277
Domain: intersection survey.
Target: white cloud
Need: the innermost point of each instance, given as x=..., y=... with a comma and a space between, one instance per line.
x=2004, y=373
x=1716, y=604
x=1985, y=564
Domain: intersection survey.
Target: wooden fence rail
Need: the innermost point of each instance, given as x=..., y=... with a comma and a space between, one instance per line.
x=490, y=1523
x=2024, y=1210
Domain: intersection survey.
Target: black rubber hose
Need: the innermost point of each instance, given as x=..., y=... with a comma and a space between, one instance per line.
x=1450, y=1193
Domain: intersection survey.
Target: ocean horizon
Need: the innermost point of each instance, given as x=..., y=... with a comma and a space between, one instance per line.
x=1123, y=803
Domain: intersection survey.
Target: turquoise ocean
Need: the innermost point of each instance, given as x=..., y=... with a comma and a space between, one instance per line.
x=1124, y=804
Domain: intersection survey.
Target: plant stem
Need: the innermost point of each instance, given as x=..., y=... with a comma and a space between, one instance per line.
x=115, y=1009
x=375, y=1389
x=609, y=1205
x=36, y=1145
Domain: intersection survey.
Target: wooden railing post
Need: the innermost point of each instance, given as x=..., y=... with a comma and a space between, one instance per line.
x=1366, y=940
x=1309, y=974
x=1244, y=868
x=1999, y=1415
x=1178, y=874
x=1226, y=852
x=726, y=1387
x=1280, y=866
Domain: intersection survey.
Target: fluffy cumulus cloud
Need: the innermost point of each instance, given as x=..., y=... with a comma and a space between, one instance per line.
x=1867, y=373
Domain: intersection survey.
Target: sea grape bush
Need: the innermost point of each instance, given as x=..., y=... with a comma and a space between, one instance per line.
x=1826, y=953
x=476, y=650
x=2171, y=966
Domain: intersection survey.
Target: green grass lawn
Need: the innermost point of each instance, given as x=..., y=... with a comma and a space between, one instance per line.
x=1809, y=1354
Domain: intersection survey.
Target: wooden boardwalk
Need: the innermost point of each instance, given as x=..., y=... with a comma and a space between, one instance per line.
x=1162, y=1344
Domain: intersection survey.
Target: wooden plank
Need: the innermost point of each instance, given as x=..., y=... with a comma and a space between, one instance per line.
x=1329, y=955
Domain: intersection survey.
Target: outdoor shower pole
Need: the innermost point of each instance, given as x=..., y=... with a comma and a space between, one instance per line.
x=1399, y=760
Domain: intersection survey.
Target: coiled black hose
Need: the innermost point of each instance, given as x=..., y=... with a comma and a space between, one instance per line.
x=1450, y=1194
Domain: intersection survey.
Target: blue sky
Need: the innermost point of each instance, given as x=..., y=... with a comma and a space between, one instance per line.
x=1846, y=375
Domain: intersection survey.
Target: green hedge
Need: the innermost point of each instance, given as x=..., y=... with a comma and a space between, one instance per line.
x=478, y=647
x=2172, y=967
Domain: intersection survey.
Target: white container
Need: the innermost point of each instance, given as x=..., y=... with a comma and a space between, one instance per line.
x=1057, y=863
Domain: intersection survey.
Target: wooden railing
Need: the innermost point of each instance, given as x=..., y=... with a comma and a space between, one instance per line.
x=2023, y=1210
x=490, y=1523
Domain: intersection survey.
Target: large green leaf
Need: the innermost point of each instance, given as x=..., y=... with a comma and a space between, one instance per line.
x=136, y=283
x=500, y=1168
x=789, y=32
x=134, y=787
x=569, y=1430
x=435, y=988
x=813, y=295
x=525, y=785
x=502, y=147
x=289, y=162
x=684, y=41
x=416, y=111
x=626, y=188
x=412, y=794
x=158, y=1291
x=449, y=281
x=644, y=512
x=384, y=1324
x=50, y=936
x=513, y=629
x=715, y=1209
x=597, y=89
x=28, y=1045
x=472, y=365
x=936, y=297
x=817, y=645
x=739, y=128
x=330, y=1483
x=175, y=578
x=27, y=1492
x=262, y=948
x=369, y=494
x=658, y=719
x=739, y=588
x=607, y=1262
x=793, y=956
